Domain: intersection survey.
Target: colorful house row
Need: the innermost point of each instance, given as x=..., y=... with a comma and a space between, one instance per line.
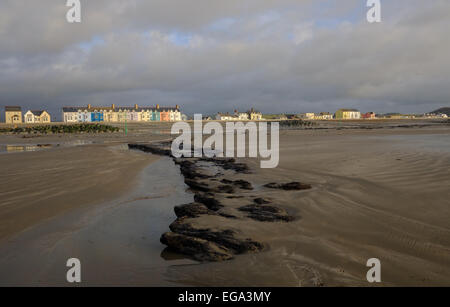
x=13, y=115
x=121, y=114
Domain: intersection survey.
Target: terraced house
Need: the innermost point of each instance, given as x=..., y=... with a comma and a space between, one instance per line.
x=121, y=114
x=34, y=117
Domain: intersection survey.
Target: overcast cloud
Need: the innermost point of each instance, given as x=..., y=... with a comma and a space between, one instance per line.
x=215, y=55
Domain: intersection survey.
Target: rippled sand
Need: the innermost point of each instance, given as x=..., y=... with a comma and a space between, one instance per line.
x=376, y=195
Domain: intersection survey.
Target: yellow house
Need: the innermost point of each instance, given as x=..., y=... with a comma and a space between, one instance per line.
x=307, y=115
x=323, y=116
x=254, y=115
x=33, y=117
x=13, y=115
x=347, y=114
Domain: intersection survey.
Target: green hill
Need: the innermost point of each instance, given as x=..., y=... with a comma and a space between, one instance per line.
x=443, y=111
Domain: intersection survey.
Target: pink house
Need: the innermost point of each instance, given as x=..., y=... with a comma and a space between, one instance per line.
x=369, y=115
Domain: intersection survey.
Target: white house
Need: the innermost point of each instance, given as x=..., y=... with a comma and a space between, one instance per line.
x=323, y=116
x=223, y=116
x=32, y=117
x=307, y=115
x=70, y=115
x=240, y=115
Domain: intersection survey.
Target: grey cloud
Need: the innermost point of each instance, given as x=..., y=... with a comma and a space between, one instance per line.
x=274, y=55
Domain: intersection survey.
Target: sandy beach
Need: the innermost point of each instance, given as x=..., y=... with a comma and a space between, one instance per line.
x=375, y=193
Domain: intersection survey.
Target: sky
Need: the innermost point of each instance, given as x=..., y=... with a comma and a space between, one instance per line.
x=278, y=56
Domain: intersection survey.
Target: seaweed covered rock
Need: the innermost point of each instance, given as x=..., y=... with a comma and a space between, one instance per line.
x=266, y=213
x=288, y=186
x=202, y=186
x=242, y=184
x=193, y=210
x=197, y=248
x=223, y=237
x=208, y=200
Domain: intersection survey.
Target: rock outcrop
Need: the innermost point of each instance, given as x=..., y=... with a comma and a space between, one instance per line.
x=193, y=210
x=266, y=213
x=216, y=195
x=198, y=249
x=288, y=186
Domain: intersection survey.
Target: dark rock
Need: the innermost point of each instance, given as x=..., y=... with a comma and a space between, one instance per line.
x=226, y=238
x=289, y=186
x=228, y=164
x=229, y=189
x=242, y=184
x=204, y=187
x=208, y=200
x=261, y=201
x=265, y=213
x=192, y=210
x=245, y=185
x=197, y=248
x=190, y=171
x=196, y=185
x=227, y=215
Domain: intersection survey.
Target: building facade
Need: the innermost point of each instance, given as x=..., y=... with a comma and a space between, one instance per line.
x=369, y=115
x=323, y=116
x=225, y=116
x=347, y=114
x=34, y=117
x=70, y=115
x=241, y=115
x=92, y=114
x=254, y=115
x=309, y=116
x=13, y=115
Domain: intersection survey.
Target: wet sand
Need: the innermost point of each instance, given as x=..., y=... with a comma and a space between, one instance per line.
x=375, y=195
x=381, y=194
x=117, y=242
x=39, y=185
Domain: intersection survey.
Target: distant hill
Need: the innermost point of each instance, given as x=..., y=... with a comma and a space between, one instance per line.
x=443, y=111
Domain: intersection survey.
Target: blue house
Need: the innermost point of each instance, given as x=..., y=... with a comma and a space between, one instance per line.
x=96, y=117
x=156, y=115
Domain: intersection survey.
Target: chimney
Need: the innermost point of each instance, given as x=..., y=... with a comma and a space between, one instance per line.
x=136, y=106
x=113, y=106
